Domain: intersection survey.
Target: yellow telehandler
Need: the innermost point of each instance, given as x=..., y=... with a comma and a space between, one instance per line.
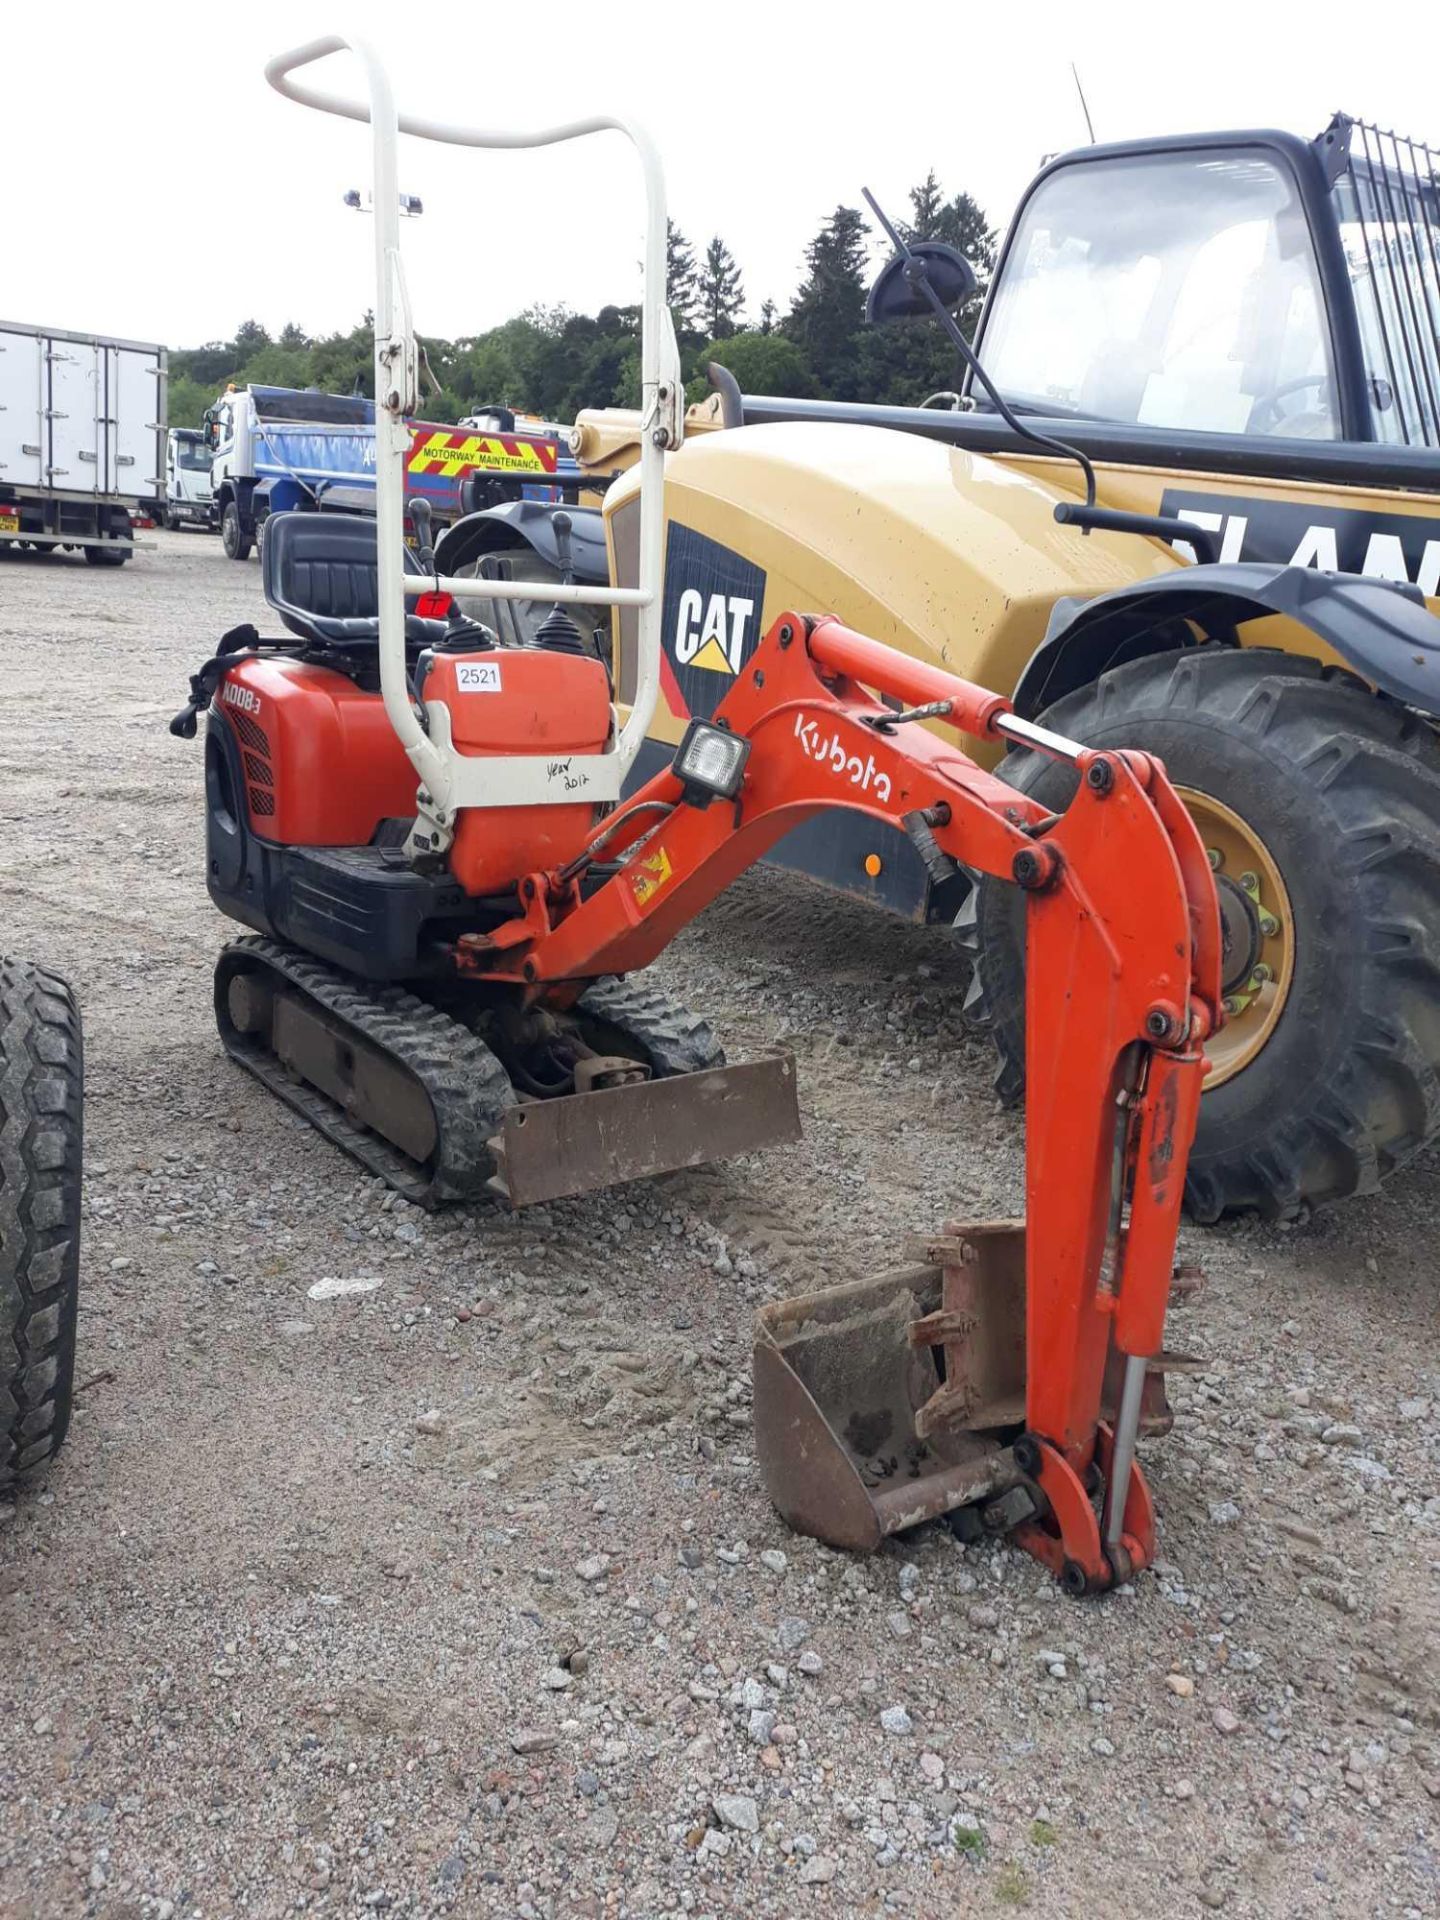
x=1238, y=331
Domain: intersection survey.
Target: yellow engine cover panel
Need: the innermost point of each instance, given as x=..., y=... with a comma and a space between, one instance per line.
x=945, y=554
x=956, y=556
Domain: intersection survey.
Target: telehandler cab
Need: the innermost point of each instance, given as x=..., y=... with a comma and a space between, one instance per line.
x=425, y=827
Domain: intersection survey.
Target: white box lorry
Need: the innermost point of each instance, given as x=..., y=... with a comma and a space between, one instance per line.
x=82, y=439
x=189, y=499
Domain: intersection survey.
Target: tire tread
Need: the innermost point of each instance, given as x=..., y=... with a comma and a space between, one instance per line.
x=1378, y=769
x=41, y=1151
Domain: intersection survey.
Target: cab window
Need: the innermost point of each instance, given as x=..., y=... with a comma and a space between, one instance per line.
x=1166, y=290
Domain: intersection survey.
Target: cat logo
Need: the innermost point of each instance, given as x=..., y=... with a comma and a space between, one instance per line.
x=711, y=621
x=711, y=633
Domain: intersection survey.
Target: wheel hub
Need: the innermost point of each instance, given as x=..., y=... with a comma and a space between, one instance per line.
x=1257, y=933
x=1240, y=936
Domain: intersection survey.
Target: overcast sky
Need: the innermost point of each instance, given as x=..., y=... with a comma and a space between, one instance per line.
x=159, y=189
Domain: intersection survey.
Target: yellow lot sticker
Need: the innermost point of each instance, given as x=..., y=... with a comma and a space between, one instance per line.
x=651, y=875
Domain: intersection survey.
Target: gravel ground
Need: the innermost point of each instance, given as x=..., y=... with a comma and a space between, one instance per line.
x=461, y=1595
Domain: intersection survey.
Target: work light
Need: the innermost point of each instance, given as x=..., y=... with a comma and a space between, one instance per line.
x=710, y=763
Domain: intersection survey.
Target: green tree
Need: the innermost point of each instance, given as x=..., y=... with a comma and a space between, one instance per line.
x=345, y=362
x=761, y=363
x=960, y=223
x=276, y=366
x=554, y=362
x=187, y=399
x=212, y=365
x=721, y=293
x=926, y=205
x=497, y=368
x=681, y=280
x=250, y=336
x=907, y=360
x=825, y=321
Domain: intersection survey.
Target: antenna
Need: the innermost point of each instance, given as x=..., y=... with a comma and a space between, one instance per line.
x=1084, y=107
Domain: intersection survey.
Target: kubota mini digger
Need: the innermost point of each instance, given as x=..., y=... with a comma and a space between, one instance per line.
x=425, y=827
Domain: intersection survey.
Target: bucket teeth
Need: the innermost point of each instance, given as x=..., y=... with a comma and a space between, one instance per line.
x=949, y=1323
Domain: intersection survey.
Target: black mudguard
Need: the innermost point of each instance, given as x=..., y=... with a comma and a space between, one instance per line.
x=527, y=523
x=1382, y=630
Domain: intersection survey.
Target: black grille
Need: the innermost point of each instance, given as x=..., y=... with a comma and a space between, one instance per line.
x=257, y=770
x=1387, y=201
x=261, y=800
x=251, y=733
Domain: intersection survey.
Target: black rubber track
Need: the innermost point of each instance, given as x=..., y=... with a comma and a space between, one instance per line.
x=671, y=1038
x=467, y=1087
x=1344, y=788
x=41, y=1146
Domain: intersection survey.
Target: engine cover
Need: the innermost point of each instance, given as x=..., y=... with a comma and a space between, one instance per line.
x=519, y=700
x=321, y=762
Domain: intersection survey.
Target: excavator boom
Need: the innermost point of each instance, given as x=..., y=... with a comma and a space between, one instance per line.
x=1123, y=986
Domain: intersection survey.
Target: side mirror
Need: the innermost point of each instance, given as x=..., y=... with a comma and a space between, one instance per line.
x=896, y=296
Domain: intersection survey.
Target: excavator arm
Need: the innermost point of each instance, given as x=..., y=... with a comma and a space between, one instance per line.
x=1123, y=986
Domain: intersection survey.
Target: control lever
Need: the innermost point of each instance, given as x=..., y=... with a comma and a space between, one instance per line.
x=562, y=524
x=418, y=509
x=558, y=631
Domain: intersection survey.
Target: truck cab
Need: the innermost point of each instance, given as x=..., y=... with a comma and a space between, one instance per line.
x=277, y=448
x=189, y=496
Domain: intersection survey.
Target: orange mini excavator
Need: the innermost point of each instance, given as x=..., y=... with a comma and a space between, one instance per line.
x=453, y=895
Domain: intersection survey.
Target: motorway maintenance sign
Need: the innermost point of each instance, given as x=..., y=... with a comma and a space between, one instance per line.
x=450, y=452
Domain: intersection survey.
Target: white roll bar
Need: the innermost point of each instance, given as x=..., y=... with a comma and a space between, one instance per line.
x=449, y=780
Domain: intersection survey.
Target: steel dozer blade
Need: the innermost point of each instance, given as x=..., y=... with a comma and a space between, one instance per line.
x=888, y=1402
x=549, y=1148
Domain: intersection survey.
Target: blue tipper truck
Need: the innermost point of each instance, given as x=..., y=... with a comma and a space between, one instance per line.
x=278, y=448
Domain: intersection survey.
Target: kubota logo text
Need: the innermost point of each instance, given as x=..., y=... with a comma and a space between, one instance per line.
x=830, y=750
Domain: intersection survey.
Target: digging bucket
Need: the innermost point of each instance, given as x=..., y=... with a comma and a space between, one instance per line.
x=888, y=1402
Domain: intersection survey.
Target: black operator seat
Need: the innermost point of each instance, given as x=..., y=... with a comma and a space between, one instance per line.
x=319, y=574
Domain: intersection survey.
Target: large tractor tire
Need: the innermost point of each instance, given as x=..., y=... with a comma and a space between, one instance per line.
x=1320, y=807
x=41, y=1125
